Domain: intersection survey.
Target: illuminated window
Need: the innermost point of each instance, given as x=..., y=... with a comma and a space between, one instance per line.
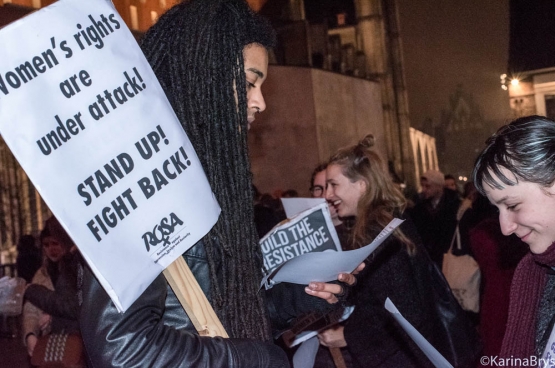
x=134, y=18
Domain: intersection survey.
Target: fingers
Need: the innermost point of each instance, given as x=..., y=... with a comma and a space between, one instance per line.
x=347, y=278
x=359, y=268
x=331, y=292
x=325, y=291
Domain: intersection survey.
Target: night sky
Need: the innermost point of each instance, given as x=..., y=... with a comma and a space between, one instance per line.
x=447, y=43
x=532, y=35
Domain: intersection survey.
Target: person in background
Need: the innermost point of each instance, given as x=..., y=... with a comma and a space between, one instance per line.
x=29, y=258
x=516, y=171
x=211, y=58
x=318, y=190
x=324, y=358
x=51, y=298
x=497, y=255
x=265, y=217
x=359, y=185
x=436, y=216
x=469, y=196
x=451, y=183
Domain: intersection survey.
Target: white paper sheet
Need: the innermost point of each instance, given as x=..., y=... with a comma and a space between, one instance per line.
x=294, y=206
x=305, y=356
x=325, y=266
x=435, y=357
x=85, y=116
x=309, y=231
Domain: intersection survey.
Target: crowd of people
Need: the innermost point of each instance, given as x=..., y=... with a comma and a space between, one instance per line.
x=211, y=58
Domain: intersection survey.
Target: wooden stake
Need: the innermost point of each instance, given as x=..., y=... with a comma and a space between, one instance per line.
x=193, y=300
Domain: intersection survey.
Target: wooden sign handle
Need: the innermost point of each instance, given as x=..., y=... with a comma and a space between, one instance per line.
x=193, y=300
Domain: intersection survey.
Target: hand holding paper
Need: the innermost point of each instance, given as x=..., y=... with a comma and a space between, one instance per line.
x=330, y=292
x=325, y=266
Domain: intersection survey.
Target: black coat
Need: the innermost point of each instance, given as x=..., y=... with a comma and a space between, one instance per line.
x=436, y=226
x=373, y=337
x=156, y=332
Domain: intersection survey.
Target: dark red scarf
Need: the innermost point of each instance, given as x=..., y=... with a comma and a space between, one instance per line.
x=527, y=287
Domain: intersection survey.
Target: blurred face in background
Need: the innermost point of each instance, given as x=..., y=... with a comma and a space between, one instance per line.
x=318, y=190
x=431, y=190
x=53, y=248
x=451, y=184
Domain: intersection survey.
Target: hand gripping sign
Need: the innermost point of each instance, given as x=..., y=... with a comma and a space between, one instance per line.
x=85, y=116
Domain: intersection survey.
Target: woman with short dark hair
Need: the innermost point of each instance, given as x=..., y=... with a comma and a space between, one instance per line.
x=516, y=171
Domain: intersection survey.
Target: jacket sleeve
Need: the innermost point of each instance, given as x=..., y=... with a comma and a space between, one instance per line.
x=152, y=333
x=55, y=303
x=371, y=333
x=287, y=301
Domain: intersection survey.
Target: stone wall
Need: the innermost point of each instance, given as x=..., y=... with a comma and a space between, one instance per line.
x=310, y=114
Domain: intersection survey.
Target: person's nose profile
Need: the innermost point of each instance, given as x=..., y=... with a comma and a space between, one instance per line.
x=508, y=226
x=256, y=101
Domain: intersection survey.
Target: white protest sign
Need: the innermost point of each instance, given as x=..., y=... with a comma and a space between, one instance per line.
x=325, y=266
x=309, y=231
x=85, y=116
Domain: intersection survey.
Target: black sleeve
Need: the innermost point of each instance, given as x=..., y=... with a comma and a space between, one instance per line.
x=62, y=304
x=287, y=301
x=371, y=333
x=141, y=336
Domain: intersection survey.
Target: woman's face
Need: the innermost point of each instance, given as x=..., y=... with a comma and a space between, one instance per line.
x=343, y=193
x=53, y=248
x=256, y=70
x=527, y=210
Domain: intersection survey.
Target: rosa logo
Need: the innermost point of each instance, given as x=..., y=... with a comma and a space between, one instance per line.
x=161, y=232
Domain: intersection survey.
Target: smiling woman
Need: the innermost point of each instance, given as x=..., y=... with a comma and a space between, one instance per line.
x=359, y=185
x=516, y=171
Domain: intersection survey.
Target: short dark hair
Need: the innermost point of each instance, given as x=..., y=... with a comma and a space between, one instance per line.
x=316, y=171
x=525, y=147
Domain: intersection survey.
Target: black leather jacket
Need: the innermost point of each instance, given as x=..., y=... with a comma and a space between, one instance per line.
x=156, y=332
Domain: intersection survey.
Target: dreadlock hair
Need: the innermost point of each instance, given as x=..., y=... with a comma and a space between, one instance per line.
x=382, y=199
x=196, y=51
x=525, y=147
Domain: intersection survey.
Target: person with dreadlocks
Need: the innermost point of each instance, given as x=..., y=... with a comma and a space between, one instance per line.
x=211, y=59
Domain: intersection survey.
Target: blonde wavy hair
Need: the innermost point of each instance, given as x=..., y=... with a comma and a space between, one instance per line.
x=382, y=200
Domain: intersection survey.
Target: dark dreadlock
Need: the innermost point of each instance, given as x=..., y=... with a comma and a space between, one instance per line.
x=196, y=51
